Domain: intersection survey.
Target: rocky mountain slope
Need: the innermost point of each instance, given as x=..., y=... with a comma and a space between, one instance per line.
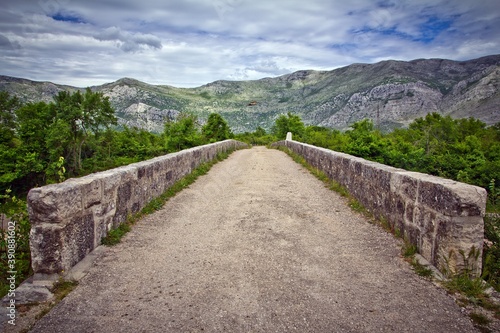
x=391, y=93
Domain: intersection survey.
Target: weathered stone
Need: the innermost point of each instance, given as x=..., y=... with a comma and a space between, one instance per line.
x=439, y=216
x=92, y=192
x=78, y=239
x=70, y=219
x=55, y=203
x=46, y=242
x=32, y=294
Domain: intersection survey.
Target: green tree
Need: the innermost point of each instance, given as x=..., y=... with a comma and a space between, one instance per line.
x=288, y=123
x=401, y=152
x=259, y=132
x=9, y=142
x=8, y=105
x=365, y=141
x=34, y=121
x=182, y=133
x=86, y=114
x=216, y=129
x=433, y=131
x=258, y=137
x=57, y=144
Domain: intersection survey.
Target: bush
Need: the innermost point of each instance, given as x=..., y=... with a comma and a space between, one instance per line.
x=15, y=256
x=491, y=251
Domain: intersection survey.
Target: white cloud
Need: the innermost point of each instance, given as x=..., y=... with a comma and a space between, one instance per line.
x=129, y=42
x=7, y=45
x=193, y=42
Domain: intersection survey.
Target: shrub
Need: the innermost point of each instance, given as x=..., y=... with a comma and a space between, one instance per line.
x=15, y=255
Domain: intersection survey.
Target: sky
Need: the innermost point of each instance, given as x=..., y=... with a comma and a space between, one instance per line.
x=189, y=43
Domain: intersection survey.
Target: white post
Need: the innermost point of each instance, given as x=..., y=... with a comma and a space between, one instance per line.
x=289, y=136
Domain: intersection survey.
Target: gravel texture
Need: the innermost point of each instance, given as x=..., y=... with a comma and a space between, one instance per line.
x=256, y=245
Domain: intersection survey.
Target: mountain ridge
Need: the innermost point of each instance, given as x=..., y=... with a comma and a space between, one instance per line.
x=392, y=93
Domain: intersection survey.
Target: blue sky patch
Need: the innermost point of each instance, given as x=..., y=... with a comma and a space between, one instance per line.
x=67, y=18
x=427, y=31
x=432, y=28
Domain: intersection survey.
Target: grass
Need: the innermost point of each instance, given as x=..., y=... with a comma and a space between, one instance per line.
x=473, y=288
x=62, y=288
x=358, y=207
x=334, y=186
x=115, y=235
x=479, y=318
x=491, y=251
x=421, y=270
x=409, y=250
x=480, y=321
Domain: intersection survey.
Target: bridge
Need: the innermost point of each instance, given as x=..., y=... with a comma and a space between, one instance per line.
x=258, y=244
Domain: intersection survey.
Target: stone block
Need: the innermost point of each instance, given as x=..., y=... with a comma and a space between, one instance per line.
x=91, y=191
x=450, y=197
x=46, y=243
x=405, y=184
x=55, y=248
x=457, y=236
x=55, y=203
x=78, y=240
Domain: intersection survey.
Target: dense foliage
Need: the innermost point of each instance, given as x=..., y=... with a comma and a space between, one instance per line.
x=461, y=149
x=41, y=139
x=42, y=143
x=491, y=250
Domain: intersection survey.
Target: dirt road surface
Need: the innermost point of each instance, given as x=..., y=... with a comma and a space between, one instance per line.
x=256, y=245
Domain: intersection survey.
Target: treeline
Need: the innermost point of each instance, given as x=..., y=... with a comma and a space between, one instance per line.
x=465, y=150
x=42, y=143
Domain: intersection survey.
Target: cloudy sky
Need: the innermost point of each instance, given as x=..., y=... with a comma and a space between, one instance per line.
x=188, y=43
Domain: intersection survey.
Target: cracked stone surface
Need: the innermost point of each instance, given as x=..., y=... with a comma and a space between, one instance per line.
x=256, y=245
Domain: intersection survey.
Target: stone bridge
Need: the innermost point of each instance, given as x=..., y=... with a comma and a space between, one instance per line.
x=256, y=245
x=440, y=217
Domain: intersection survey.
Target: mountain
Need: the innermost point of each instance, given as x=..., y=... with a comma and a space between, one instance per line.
x=391, y=93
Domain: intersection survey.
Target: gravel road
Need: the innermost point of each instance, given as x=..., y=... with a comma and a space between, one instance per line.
x=256, y=245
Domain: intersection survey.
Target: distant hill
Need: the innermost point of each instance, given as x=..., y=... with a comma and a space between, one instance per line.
x=391, y=93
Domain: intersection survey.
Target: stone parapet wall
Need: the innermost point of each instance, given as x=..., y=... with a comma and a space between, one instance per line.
x=68, y=220
x=441, y=217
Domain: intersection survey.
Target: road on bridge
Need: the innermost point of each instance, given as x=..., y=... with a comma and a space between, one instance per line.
x=256, y=245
